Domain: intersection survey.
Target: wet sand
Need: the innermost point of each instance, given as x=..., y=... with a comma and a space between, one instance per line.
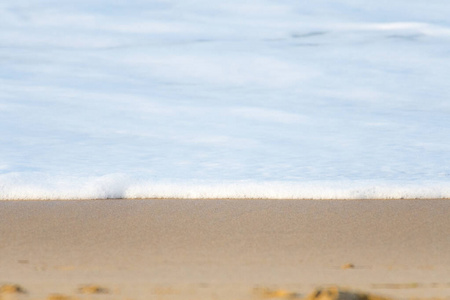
x=223, y=249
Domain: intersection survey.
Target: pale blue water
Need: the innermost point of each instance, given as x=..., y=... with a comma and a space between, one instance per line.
x=242, y=99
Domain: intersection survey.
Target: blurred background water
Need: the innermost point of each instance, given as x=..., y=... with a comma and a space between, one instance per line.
x=201, y=92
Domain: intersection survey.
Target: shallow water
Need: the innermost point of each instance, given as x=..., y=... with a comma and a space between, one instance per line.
x=239, y=99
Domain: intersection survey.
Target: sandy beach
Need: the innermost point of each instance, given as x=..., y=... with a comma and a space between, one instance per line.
x=223, y=249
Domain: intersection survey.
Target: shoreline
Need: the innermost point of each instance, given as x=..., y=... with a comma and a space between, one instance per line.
x=225, y=249
x=46, y=187
x=228, y=199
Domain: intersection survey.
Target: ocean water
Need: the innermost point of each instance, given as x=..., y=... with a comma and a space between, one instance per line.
x=207, y=99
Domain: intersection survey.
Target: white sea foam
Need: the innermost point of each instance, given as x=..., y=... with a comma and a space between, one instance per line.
x=116, y=186
x=243, y=99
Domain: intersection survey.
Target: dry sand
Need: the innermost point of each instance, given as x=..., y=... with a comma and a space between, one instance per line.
x=222, y=249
